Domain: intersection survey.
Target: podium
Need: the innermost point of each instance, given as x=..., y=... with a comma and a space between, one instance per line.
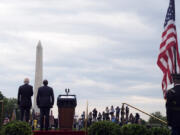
x=66, y=110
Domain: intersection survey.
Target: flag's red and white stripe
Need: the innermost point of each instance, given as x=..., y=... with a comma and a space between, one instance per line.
x=166, y=60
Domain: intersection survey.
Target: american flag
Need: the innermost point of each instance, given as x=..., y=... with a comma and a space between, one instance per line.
x=169, y=49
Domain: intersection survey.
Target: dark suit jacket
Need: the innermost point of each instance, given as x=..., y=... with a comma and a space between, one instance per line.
x=173, y=106
x=45, y=97
x=24, y=95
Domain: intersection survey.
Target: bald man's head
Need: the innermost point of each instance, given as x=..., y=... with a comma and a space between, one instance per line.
x=26, y=81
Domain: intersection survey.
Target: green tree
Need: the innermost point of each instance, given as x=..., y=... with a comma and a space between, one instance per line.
x=1, y=107
x=134, y=129
x=9, y=105
x=1, y=96
x=16, y=128
x=155, y=121
x=104, y=128
x=143, y=122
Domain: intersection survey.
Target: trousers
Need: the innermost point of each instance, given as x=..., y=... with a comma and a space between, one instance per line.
x=175, y=131
x=26, y=111
x=44, y=115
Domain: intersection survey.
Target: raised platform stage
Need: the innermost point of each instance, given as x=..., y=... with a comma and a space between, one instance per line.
x=56, y=132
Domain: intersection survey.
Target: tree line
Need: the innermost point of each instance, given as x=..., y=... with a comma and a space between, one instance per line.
x=9, y=105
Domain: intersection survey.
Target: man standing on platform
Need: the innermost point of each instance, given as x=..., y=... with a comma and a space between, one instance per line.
x=122, y=113
x=45, y=101
x=127, y=113
x=25, y=93
x=117, y=112
x=173, y=106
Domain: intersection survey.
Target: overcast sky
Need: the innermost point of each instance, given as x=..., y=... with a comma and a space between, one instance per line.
x=105, y=51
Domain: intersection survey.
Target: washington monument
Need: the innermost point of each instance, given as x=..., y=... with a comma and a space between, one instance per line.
x=38, y=73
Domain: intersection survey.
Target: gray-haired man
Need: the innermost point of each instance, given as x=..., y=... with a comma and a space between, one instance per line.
x=25, y=93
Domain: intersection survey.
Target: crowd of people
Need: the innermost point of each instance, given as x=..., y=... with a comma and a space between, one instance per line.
x=118, y=115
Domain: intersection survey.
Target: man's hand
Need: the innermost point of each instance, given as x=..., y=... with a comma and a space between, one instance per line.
x=169, y=127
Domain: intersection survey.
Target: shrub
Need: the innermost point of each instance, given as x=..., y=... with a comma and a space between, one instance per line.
x=16, y=128
x=134, y=129
x=160, y=131
x=104, y=128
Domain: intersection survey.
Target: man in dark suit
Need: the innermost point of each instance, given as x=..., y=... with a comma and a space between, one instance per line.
x=45, y=101
x=173, y=106
x=25, y=93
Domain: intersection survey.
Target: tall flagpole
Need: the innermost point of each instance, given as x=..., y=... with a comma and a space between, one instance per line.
x=176, y=43
x=175, y=60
